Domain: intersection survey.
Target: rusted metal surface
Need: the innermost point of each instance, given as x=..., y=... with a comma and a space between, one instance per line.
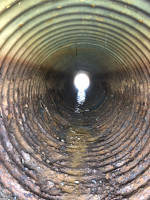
x=47, y=150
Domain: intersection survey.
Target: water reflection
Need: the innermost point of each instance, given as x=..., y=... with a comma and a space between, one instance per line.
x=81, y=97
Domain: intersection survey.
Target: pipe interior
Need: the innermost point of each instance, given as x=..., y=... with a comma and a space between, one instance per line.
x=50, y=146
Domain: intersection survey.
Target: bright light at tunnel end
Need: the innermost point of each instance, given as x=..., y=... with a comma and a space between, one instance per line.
x=81, y=81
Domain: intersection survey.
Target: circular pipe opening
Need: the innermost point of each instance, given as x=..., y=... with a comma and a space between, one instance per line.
x=81, y=81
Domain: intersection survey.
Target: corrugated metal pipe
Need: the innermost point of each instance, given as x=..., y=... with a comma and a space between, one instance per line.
x=54, y=145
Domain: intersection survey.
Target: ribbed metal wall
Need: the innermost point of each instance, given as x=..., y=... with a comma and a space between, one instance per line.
x=110, y=38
